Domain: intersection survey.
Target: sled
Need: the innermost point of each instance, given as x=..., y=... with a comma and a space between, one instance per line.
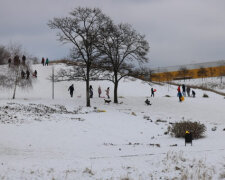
x=99, y=110
x=182, y=98
x=154, y=90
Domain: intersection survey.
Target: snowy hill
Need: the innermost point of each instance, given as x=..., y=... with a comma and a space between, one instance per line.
x=42, y=138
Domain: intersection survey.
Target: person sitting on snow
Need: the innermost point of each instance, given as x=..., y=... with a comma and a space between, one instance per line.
x=147, y=102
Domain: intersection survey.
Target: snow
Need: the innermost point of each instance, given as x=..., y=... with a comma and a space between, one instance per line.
x=44, y=138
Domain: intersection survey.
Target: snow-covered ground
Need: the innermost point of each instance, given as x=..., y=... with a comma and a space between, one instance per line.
x=214, y=83
x=42, y=138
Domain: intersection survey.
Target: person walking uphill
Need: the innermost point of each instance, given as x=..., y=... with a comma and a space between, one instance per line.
x=43, y=61
x=71, y=89
x=46, y=62
x=99, y=91
x=107, y=92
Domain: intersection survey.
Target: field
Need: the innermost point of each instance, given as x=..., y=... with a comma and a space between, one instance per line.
x=45, y=138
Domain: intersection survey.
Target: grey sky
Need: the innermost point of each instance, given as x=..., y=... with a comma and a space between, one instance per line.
x=179, y=31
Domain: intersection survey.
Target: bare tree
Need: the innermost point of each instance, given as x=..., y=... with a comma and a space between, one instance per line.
x=81, y=29
x=124, y=49
x=4, y=55
x=202, y=72
x=183, y=72
x=221, y=71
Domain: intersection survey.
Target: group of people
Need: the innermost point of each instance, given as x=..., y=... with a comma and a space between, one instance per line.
x=27, y=74
x=17, y=61
x=44, y=62
x=184, y=90
x=91, y=93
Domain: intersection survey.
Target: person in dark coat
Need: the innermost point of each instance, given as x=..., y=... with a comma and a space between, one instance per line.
x=188, y=91
x=152, y=92
x=183, y=90
x=91, y=91
x=23, y=60
x=71, y=89
x=35, y=73
x=43, y=61
x=193, y=93
x=28, y=74
x=147, y=102
x=9, y=61
x=22, y=74
x=188, y=137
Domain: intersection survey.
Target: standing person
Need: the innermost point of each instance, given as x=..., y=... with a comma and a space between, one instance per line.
x=22, y=74
x=107, y=92
x=179, y=93
x=23, y=60
x=188, y=91
x=99, y=91
x=91, y=91
x=183, y=90
x=43, y=61
x=28, y=74
x=71, y=89
x=9, y=61
x=152, y=92
x=193, y=93
x=46, y=62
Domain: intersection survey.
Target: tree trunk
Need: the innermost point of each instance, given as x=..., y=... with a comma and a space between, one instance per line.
x=115, y=89
x=14, y=91
x=88, y=103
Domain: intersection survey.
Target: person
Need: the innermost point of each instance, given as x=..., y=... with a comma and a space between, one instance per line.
x=46, y=62
x=43, y=61
x=91, y=91
x=16, y=60
x=35, y=73
x=22, y=74
x=188, y=137
x=193, y=93
x=188, y=91
x=99, y=91
x=28, y=74
x=71, y=89
x=23, y=60
x=152, y=92
x=107, y=92
x=179, y=93
x=183, y=90
x=147, y=102
x=9, y=61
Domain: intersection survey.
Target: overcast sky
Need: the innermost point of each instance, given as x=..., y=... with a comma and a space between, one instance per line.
x=178, y=31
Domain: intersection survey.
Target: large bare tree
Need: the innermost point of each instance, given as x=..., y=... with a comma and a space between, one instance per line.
x=124, y=49
x=81, y=29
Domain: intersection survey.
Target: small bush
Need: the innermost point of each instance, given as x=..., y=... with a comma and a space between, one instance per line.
x=205, y=96
x=178, y=129
x=167, y=95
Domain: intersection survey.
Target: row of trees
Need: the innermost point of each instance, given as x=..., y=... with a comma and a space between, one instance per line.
x=104, y=50
x=184, y=73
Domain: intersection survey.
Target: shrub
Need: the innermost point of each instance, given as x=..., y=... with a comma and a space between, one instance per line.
x=178, y=129
x=205, y=96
